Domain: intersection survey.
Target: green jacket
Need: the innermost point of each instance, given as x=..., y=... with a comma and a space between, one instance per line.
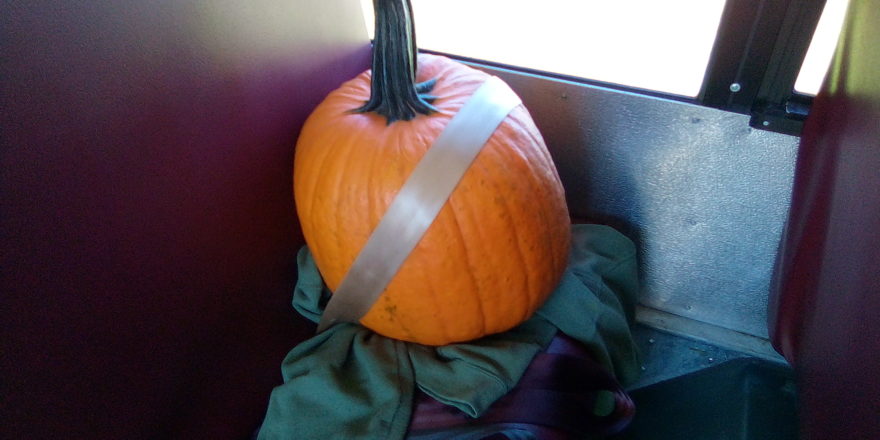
x=350, y=383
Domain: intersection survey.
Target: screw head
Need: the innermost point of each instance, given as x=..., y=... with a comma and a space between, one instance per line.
x=735, y=87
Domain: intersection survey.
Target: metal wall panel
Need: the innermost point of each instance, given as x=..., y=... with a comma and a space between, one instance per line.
x=703, y=194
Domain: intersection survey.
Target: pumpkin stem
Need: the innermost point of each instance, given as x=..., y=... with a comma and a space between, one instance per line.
x=394, y=93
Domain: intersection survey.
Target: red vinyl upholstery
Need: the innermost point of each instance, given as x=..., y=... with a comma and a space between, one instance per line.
x=148, y=227
x=825, y=311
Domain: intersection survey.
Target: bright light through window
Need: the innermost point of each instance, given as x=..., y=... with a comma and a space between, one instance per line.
x=822, y=47
x=649, y=44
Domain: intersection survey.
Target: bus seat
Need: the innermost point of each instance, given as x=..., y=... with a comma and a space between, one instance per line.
x=146, y=211
x=825, y=308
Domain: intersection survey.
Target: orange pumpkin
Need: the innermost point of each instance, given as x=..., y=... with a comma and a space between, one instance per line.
x=495, y=251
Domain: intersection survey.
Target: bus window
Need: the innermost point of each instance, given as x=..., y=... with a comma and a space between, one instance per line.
x=646, y=44
x=822, y=47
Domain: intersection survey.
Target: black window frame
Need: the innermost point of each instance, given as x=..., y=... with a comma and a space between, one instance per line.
x=755, y=60
x=760, y=46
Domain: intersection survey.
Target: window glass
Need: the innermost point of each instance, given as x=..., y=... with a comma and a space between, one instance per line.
x=821, y=49
x=649, y=44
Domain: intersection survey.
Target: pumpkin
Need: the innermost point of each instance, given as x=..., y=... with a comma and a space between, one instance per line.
x=499, y=245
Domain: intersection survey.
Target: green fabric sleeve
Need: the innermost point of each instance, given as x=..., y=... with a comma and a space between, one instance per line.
x=345, y=383
x=595, y=301
x=484, y=370
x=310, y=294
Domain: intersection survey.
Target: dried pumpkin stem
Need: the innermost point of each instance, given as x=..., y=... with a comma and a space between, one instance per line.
x=394, y=93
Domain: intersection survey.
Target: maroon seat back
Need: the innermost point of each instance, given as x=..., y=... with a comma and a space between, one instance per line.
x=825, y=311
x=146, y=211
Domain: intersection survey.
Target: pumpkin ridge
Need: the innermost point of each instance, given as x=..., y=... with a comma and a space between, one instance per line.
x=469, y=214
x=410, y=149
x=317, y=177
x=543, y=165
x=549, y=166
x=342, y=175
x=535, y=161
x=496, y=182
x=471, y=268
x=374, y=191
x=544, y=153
x=311, y=176
x=532, y=293
x=431, y=292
